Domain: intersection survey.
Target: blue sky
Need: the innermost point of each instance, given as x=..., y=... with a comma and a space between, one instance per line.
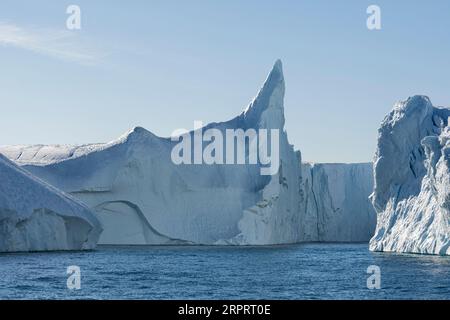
x=164, y=64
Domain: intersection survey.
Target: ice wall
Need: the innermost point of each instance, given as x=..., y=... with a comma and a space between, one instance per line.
x=335, y=199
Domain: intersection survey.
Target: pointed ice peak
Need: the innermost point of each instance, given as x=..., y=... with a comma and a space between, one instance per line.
x=134, y=133
x=274, y=79
x=278, y=67
x=138, y=130
x=270, y=96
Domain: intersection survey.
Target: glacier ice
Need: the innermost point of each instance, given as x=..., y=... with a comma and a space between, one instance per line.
x=412, y=179
x=142, y=197
x=335, y=200
x=35, y=216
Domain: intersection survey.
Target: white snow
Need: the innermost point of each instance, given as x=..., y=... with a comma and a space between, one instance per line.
x=412, y=179
x=35, y=216
x=142, y=197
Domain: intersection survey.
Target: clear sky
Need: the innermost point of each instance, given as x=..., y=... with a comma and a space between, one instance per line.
x=164, y=64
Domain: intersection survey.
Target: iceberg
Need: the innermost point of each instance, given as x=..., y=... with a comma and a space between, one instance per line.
x=142, y=197
x=35, y=216
x=412, y=179
x=335, y=199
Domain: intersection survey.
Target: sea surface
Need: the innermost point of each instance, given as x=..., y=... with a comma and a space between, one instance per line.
x=303, y=271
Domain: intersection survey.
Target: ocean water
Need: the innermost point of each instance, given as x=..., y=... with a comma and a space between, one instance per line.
x=303, y=271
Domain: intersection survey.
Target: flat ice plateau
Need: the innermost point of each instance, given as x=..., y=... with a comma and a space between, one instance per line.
x=142, y=197
x=35, y=216
x=412, y=179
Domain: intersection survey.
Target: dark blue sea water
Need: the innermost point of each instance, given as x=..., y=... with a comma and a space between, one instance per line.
x=305, y=271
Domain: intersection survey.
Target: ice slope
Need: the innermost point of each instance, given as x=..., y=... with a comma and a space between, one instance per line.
x=35, y=216
x=412, y=179
x=142, y=197
x=335, y=199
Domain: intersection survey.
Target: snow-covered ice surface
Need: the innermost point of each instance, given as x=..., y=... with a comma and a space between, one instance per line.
x=142, y=197
x=412, y=179
x=35, y=216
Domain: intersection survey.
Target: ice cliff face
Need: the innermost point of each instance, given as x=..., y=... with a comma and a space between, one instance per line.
x=412, y=179
x=142, y=197
x=36, y=217
x=335, y=199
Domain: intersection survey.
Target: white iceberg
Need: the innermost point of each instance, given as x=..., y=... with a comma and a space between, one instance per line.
x=35, y=216
x=142, y=197
x=412, y=179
